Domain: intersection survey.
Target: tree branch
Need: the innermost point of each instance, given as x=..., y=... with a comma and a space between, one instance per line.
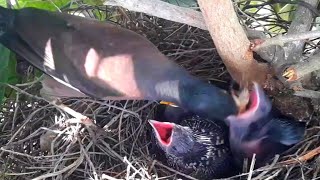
x=297, y=71
x=308, y=94
x=162, y=10
x=282, y=39
x=231, y=41
x=311, y=154
x=302, y=23
x=281, y=55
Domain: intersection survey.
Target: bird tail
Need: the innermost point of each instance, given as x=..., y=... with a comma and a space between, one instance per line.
x=6, y=19
x=287, y=131
x=52, y=89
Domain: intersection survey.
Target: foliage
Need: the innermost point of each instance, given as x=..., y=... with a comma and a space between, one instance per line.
x=268, y=13
x=50, y=5
x=7, y=70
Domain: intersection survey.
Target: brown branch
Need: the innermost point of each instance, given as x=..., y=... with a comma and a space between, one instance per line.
x=162, y=10
x=297, y=71
x=282, y=39
x=311, y=154
x=231, y=41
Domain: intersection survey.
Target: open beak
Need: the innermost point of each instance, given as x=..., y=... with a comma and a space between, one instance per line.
x=241, y=99
x=163, y=131
x=252, y=105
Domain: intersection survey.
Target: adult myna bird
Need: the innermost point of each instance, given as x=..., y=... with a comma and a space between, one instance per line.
x=262, y=130
x=105, y=61
x=192, y=144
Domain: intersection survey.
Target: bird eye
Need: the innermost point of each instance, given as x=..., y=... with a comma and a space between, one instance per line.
x=174, y=148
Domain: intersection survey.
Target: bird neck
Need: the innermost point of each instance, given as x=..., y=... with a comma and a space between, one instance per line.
x=176, y=88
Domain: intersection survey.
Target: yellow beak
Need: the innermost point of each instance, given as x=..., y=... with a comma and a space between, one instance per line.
x=168, y=103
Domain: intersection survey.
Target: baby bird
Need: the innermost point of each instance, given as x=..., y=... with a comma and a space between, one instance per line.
x=262, y=130
x=193, y=145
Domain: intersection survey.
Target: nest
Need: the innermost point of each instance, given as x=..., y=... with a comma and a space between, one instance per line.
x=109, y=139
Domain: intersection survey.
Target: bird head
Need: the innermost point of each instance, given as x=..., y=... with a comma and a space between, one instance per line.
x=174, y=139
x=195, y=147
x=259, y=129
x=252, y=106
x=207, y=100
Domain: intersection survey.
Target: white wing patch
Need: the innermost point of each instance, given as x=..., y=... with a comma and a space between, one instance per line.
x=49, y=61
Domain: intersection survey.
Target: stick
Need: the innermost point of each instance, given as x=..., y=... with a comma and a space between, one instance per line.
x=162, y=10
x=297, y=71
x=311, y=154
x=282, y=39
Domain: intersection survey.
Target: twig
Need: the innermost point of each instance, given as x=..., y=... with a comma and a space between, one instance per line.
x=162, y=10
x=56, y=103
x=297, y=71
x=282, y=39
x=177, y=172
x=274, y=175
x=301, y=23
x=32, y=82
x=23, y=125
x=311, y=154
x=104, y=176
x=34, y=157
x=85, y=152
x=253, y=161
x=76, y=163
x=16, y=153
x=123, y=159
x=308, y=94
x=274, y=162
x=20, y=174
x=69, y=110
x=14, y=118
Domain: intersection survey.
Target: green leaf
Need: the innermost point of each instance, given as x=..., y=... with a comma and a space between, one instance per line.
x=12, y=67
x=4, y=60
x=286, y=12
x=50, y=5
x=3, y=3
x=94, y=2
x=13, y=77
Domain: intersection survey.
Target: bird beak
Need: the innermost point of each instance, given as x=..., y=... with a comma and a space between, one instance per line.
x=257, y=107
x=163, y=131
x=168, y=103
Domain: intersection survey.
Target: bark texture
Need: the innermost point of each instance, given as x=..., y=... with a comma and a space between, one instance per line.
x=231, y=41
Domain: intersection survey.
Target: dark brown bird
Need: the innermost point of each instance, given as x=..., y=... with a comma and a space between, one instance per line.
x=192, y=144
x=262, y=130
x=101, y=60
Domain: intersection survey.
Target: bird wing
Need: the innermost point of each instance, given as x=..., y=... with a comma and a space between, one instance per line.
x=286, y=131
x=94, y=58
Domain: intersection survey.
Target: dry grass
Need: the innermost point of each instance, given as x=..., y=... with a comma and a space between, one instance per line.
x=40, y=140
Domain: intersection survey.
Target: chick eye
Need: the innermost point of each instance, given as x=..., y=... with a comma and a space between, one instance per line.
x=174, y=148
